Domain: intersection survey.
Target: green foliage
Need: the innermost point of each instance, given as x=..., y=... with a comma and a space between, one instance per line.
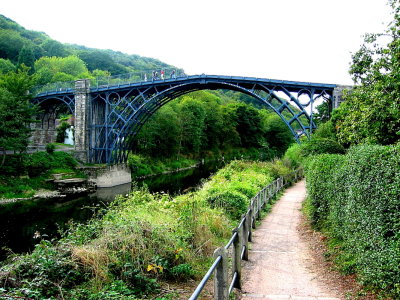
x=54, y=69
x=325, y=130
x=23, y=174
x=40, y=162
x=321, y=186
x=298, y=154
x=233, y=186
x=356, y=197
x=320, y=146
x=142, y=166
x=15, y=109
x=276, y=134
x=98, y=59
x=233, y=202
x=294, y=155
x=202, y=122
x=323, y=113
x=24, y=46
x=61, y=131
x=371, y=111
x=54, y=266
x=6, y=66
x=50, y=148
x=141, y=239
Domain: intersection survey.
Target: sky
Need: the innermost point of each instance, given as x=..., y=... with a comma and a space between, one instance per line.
x=301, y=40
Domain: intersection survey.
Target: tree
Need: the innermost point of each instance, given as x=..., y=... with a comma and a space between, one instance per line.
x=96, y=59
x=323, y=113
x=11, y=43
x=26, y=57
x=16, y=111
x=53, y=69
x=54, y=48
x=276, y=133
x=371, y=112
x=192, y=116
x=6, y=66
x=248, y=125
x=159, y=136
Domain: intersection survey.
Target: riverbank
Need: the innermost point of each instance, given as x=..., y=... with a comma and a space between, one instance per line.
x=23, y=175
x=142, y=240
x=144, y=166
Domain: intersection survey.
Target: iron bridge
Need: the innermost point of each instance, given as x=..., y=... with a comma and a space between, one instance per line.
x=116, y=112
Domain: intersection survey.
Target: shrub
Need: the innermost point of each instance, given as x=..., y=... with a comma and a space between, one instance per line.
x=233, y=202
x=320, y=146
x=61, y=131
x=294, y=155
x=14, y=165
x=321, y=187
x=358, y=196
x=40, y=162
x=325, y=131
x=50, y=148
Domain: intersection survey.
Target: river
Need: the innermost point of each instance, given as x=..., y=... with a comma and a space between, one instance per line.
x=24, y=224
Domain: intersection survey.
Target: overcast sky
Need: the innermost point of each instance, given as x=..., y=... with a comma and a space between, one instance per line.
x=303, y=40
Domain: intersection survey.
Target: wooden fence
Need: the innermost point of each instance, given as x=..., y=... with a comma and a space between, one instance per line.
x=228, y=258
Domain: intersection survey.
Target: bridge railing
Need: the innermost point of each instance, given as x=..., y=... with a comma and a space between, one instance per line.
x=134, y=77
x=228, y=258
x=54, y=87
x=116, y=80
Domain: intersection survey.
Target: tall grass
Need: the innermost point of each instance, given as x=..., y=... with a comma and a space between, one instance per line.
x=141, y=240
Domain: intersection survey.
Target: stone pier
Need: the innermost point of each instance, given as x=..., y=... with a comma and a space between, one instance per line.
x=82, y=106
x=338, y=94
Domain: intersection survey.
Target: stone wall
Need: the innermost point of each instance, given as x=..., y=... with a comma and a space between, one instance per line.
x=108, y=176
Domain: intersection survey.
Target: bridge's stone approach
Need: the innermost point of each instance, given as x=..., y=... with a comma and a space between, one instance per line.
x=109, y=116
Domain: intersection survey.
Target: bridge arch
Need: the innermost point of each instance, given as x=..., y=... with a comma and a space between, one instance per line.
x=50, y=109
x=108, y=116
x=130, y=109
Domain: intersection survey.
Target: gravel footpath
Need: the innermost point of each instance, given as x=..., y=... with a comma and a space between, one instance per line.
x=281, y=264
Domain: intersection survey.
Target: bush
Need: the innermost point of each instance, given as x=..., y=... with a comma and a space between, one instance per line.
x=233, y=202
x=357, y=198
x=61, y=131
x=50, y=148
x=325, y=131
x=40, y=162
x=14, y=165
x=294, y=155
x=320, y=146
x=321, y=187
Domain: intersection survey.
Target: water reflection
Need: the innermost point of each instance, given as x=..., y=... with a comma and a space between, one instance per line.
x=21, y=222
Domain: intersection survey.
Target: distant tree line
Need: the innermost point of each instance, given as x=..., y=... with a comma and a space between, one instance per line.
x=202, y=121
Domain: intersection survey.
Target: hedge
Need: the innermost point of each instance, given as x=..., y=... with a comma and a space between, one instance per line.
x=356, y=198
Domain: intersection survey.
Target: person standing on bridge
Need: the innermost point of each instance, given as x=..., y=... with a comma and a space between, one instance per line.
x=162, y=74
x=173, y=74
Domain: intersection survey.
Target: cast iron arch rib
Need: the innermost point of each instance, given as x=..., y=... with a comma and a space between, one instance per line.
x=138, y=104
x=118, y=112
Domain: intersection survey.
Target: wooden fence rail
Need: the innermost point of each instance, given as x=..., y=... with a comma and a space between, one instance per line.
x=237, y=248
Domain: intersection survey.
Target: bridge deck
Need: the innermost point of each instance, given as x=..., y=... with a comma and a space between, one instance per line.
x=280, y=264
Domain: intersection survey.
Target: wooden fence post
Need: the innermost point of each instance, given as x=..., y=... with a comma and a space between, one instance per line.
x=249, y=225
x=237, y=257
x=221, y=288
x=246, y=235
x=253, y=213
